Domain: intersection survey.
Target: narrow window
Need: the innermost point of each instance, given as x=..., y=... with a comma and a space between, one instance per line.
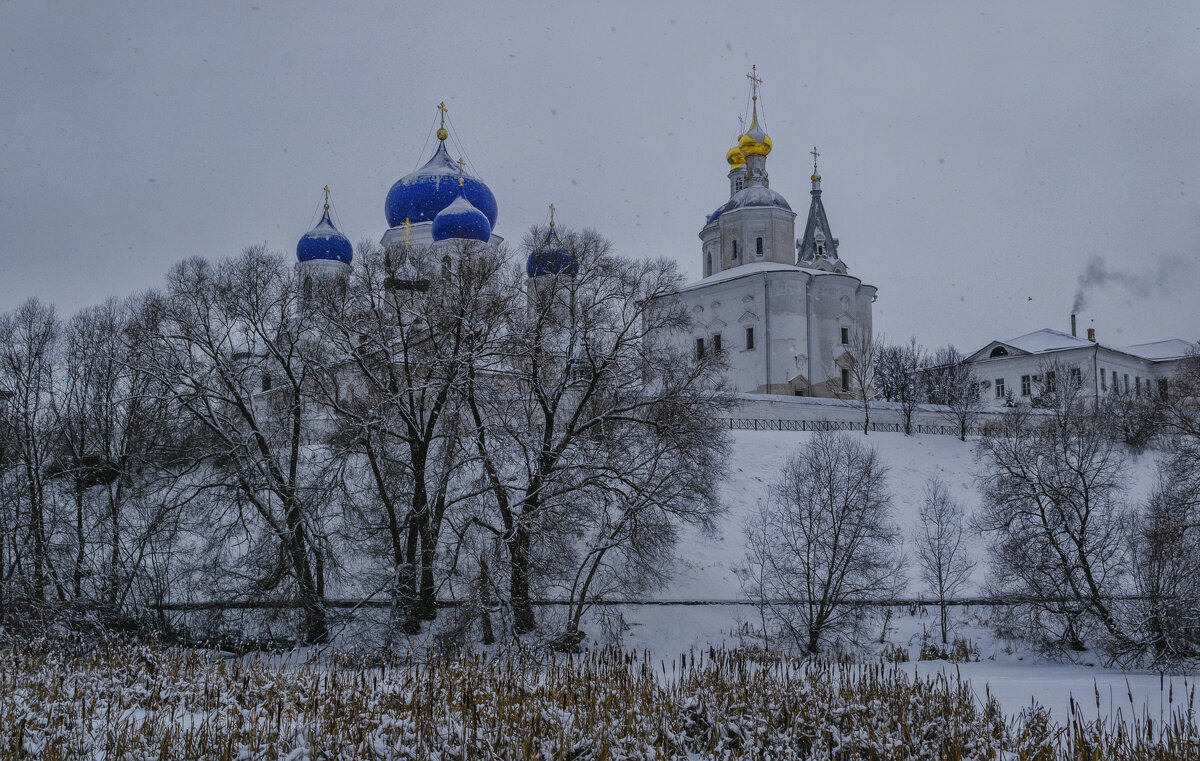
x=1076, y=378
x=1162, y=388
x=1103, y=381
x=1127, y=383
x=845, y=336
x=717, y=343
x=707, y=265
x=999, y=388
x=1137, y=384
x=749, y=338
x=1026, y=385
x=845, y=379
x=446, y=266
x=758, y=247
x=699, y=348
x=734, y=250
x=1050, y=385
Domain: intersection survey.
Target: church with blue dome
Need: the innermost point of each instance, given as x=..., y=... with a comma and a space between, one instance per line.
x=438, y=202
x=782, y=311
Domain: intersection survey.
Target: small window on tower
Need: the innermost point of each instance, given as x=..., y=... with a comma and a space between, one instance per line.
x=739, y=183
x=758, y=247
x=845, y=336
x=708, y=265
x=845, y=379
x=749, y=338
x=699, y=348
x=717, y=343
x=734, y=250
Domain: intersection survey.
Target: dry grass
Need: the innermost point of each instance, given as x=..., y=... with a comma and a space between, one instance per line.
x=133, y=702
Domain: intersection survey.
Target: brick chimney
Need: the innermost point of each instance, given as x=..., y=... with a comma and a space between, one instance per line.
x=1092, y=335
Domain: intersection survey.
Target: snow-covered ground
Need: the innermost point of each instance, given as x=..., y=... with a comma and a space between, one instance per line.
x=708, y=571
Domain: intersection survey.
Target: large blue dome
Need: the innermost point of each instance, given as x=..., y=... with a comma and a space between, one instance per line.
x=324, y=242
x=461, y=220
x=551, y=258
x=419, y=197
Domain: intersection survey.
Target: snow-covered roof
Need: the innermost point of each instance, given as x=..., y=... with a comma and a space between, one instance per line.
x=1172, y=348
x=1048, y=339
x=744, y=270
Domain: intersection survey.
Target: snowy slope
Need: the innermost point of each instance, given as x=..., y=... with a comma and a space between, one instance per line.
x=707, y=571
x=707, y=564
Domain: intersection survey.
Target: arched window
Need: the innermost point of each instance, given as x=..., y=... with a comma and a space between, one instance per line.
x=999, y=351
x=758, y=247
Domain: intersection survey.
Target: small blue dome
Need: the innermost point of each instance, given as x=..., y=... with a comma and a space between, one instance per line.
x=551, y=259
x=461, y=220
x=324, y=242
x=419, y=197
x=716, y=214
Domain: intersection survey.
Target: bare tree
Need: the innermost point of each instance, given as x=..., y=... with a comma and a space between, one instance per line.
x=953, y=383
x=235, y=344
x=28, y=339
x=1052, y=494
x=117, y=449
x=404, y=336
x=863, y=351
x=824, y=540
x=574, y=368
x=943, y=556
x=1165, y=550
x=898, y=377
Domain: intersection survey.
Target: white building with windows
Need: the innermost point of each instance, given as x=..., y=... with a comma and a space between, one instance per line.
x=1022, y=368
x=782, y=311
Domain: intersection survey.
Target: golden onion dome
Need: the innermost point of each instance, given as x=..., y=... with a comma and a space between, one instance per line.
x=735, y=158
x=755, y=142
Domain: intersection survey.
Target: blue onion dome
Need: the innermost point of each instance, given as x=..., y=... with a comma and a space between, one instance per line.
x=461, y=220
x=325, y=242
x=419, y=197
x=716, y=214
x=551, y=258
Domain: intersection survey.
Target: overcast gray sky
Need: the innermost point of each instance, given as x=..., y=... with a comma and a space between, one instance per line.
x=976, y=158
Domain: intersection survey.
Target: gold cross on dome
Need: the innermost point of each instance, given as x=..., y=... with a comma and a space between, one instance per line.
x=461, y=164
x=754, y=80
x=442, y=108
x=552, y=215
x=814, y=155
x=407, y=231
x=326, y=198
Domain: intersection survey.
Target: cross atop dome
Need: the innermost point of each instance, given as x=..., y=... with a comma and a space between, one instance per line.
x=442, y=134
x=755, y=81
